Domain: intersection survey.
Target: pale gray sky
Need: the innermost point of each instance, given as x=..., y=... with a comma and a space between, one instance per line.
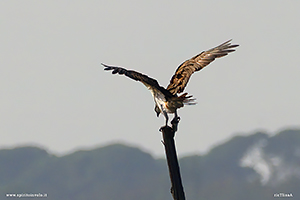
x=54, y=93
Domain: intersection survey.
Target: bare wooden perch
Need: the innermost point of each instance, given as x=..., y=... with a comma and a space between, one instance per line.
x=174, y=171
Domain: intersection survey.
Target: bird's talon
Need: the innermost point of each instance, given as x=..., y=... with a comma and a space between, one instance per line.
x=175, y=120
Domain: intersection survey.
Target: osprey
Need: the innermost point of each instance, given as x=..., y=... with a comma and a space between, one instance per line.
x=167, y=100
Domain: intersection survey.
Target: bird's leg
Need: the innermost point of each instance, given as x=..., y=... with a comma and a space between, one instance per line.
x=175, y=121
x=176, y=118
x=166, y=116
x=167, y=119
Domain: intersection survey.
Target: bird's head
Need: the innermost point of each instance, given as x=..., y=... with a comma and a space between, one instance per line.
x=157, y=110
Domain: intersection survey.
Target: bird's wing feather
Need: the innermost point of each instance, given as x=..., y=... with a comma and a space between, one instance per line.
x=133, y=75
x=150, y=83
x=187, y=68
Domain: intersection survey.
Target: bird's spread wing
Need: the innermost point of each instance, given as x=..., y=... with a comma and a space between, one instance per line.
x=150, y=83
x=186, y=69
x=146, y=80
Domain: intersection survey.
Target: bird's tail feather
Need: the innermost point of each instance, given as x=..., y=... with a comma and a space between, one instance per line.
x=187, y=100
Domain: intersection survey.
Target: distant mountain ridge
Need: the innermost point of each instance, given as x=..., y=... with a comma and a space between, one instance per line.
x=257, y=166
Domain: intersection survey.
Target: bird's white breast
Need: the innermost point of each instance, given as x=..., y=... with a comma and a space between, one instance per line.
x=159, y=99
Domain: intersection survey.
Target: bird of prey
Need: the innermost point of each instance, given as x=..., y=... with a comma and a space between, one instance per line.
x=167, y=100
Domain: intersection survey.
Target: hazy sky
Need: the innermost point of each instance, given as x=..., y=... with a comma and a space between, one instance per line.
x=54, y=92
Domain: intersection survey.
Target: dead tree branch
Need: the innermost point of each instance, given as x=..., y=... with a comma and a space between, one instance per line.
x=174, y=171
